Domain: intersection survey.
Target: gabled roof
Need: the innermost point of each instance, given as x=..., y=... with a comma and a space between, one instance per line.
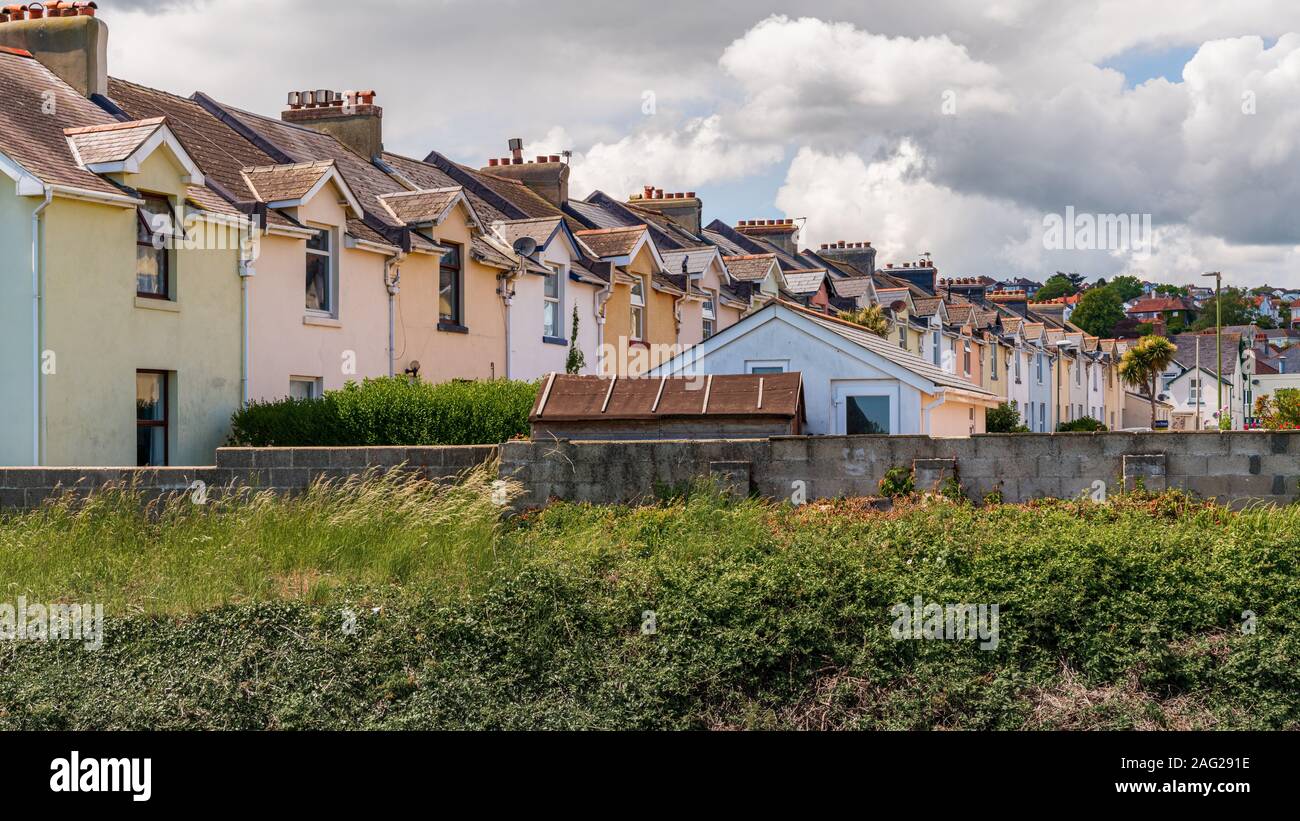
x=852, y=287
x=34, y=151
x=294, y=185
x=427, y=206
x=804, y=282
x=750, y=267
x=692, y=261
x=1187, y=345
x=611, y=243
x=904, y=365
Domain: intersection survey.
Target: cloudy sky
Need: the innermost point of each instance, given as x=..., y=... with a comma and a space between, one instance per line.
x=946, y=126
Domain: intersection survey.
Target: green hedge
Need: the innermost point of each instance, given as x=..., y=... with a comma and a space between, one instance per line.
x=391, y=411
x=1084, y=424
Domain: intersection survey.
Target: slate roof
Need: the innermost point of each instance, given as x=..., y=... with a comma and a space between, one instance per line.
x=926, y=306
x=1188, y=343
x=36, y=140
x=697, y=259
x=416, y=207
x=539, y=229
x=612, y=242
x=804, y=282
x=749, y=267
x=889, y=350
x=113, y=142
x=276, y=183
x=851, y=287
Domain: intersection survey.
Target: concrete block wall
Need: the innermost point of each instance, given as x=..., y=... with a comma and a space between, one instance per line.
x=281, y=469
x=1233, y=467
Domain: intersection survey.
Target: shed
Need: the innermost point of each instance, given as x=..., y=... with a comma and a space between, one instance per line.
x=739, y=406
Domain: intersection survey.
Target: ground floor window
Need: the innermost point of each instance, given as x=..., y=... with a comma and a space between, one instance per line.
x=305, y=387
x=867, y=414
x=152, y=418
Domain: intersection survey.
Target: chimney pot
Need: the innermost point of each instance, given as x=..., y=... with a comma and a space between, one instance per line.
x=541, y=158
x=555, y=158
x=659, y=193
x=516, y=146
x=690, y=194
x=492, y=162
x=649, y=192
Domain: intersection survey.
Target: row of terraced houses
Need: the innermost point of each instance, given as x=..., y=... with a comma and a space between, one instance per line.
x=165, y=259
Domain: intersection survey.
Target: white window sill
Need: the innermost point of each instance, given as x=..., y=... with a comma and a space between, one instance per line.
x=157, y=304
x=321, y=321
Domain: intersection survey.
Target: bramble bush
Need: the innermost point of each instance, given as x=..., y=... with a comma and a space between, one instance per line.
x=391, y=411
x=1145, y=611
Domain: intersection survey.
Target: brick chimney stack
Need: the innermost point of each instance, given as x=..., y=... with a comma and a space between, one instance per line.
x=858, y=254
x=683, y=207
x=547, y=176
x=783, y=232
x=351, y=117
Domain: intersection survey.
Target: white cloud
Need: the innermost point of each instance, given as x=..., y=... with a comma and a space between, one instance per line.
x=697, y=154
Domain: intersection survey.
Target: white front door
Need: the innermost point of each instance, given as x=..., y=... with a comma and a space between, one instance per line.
x=865, y=406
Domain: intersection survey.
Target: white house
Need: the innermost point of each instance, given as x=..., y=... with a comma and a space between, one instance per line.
x=854, y=381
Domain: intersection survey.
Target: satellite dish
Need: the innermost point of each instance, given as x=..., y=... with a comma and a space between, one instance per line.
x=525, y=246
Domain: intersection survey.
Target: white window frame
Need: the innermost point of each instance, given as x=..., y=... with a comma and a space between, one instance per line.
x=316, y=389
x=332, y=278
x=637, y=303
x=709, y=314
x=553, y=302
x=751, y=364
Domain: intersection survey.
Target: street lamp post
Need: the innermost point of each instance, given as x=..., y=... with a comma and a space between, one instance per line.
x=1218, y=336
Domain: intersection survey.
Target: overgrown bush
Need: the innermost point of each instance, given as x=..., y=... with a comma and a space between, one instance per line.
x=1003, y=419
x=1084, y=424
x=1124, y=615
x=1281, y=411
x=391, y=411
x=897, y=481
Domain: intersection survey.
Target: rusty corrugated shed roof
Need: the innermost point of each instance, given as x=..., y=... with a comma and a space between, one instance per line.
x=581, y=398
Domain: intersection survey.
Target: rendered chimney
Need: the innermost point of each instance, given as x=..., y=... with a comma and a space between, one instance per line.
x=858, y=254
x=352, y=118
x=547, y=177
x=73, y=46
x=682, y=208
x=783, y=232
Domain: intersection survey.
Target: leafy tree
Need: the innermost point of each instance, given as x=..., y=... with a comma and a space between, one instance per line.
x=1236, y=310
x=1143, y=364
x=1003, y=419
x=1098, y=311
x=1281, y=411
x=576, y=361
x=1056, y=285
x=871, y=317
x=1126, y=287
x=1171, y=290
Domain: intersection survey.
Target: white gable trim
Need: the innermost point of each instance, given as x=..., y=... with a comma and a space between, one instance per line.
x=162, y=136
x=332, y=175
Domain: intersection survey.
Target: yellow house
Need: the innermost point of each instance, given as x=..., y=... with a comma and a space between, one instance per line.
x=640, y=317
x=121, y=333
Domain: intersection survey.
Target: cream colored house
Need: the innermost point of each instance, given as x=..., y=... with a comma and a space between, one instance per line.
x=120, y=315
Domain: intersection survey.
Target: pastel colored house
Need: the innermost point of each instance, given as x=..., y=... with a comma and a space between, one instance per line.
x=854, y=381
x=120, y=337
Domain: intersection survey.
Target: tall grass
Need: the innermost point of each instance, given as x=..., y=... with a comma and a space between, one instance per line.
x=170, y=555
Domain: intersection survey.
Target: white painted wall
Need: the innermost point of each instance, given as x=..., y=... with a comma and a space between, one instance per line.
x=17, y=357
x=531, y=356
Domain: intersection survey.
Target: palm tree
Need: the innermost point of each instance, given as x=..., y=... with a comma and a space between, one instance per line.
x=871, y=317
x=1143, y=364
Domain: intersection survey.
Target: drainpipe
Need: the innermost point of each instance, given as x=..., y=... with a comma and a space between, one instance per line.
x=939, y=399
x=598, y=308
x=393, y=282
x=246, y=272
x=38, y=336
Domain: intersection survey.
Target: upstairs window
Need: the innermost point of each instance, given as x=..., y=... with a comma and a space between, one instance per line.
x=638, y=309
x=551, y=303
x=710, y=314
x=320, y=272
x=155, y=223
x=965, y=358
x=450, y=287
x=1038, y=359
x=902, y=336
x=993, y=361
